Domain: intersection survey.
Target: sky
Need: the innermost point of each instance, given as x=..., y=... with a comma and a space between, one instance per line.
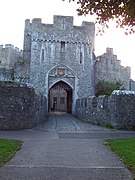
x=13, y=14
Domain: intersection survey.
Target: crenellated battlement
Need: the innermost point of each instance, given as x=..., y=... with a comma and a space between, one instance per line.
x=37, y=20
x=59, y=22
x=10, y=47
x=57, y=19
x=58, y=60
x=109, y=68
x=9, y=55
x=48, y=45
x=112, y=110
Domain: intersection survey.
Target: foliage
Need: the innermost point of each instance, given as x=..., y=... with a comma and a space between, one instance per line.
x=109, y=126
x=106, y=88
x=8, y=149
x=125, y=148
x=20, y=61
x=120, y=11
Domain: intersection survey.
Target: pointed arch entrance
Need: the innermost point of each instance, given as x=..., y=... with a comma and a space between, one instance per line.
x=60, y=97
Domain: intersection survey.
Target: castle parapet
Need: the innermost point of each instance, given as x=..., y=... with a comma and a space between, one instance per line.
x=1, y=46
x=109, y=51
x=109, y=68
x=8, y=57
x=63, y=22
x=27, y=23
x=36, y=21
x=16, y=49
x=110, y=111
x=9, y=46
x=90, y=25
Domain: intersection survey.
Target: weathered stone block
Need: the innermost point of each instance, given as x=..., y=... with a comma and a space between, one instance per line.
x=20, y=106
x=117, y=110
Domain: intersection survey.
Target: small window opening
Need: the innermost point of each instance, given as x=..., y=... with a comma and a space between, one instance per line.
x=63, y=24
x=42, y=55
x=80, y=57
x=62, y=46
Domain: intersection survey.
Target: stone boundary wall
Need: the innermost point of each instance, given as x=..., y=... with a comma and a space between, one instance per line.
x=20, y=106
x=118, y=110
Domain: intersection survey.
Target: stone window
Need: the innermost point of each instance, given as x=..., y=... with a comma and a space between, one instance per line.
x=85, y=102
x=42, y=55
x=81, y=54
x=41, y=100
x=81, y=102
x=63, y=24
x=62, y=46
x=80, y=57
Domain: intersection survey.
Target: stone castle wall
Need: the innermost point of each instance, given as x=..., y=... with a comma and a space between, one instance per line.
x=6, y=74
x=60, y=44
x=132, y=85
x=20, y=107
x=117, y=110
x=108, y=68
x=9, y=55
x=61, y=52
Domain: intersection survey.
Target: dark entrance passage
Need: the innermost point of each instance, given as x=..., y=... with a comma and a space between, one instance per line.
x=60, y=97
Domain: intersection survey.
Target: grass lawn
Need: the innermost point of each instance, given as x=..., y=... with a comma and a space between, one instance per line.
x=8, y=148
x=125, y=148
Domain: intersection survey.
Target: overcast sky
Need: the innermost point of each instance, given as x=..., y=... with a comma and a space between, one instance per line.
x=14, y=12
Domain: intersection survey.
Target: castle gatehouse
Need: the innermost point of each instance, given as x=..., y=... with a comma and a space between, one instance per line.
x=58, y=60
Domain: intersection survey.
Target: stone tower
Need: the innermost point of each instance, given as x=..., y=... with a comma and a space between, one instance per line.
x=60, y=61
x=108, y=68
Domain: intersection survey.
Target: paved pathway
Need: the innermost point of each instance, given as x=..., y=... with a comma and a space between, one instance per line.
x=65, y=148
x=66, y=122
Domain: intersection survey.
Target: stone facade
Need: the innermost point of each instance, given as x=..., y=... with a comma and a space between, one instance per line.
x=9, y=56
x=132, y=85
x=6, y=74
x=117, y=110
x=61, y=53
x=20, y=106
x=108, y=68
x=9, y=59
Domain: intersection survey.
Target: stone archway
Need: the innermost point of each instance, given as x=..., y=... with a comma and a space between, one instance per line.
x=60, y=97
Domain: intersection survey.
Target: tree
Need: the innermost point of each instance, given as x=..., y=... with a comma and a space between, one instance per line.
x=120, y=11
x=106, y=88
